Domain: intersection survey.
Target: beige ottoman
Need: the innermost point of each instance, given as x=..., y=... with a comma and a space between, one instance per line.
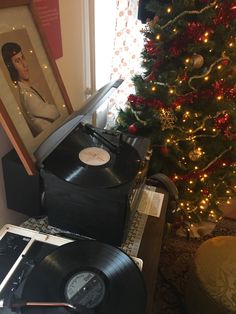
x=211, y=287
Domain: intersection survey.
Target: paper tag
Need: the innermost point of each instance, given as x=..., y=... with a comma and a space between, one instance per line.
x=150, y=201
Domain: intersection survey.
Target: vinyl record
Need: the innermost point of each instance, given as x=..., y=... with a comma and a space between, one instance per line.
x=83, y=160
x=95, y=277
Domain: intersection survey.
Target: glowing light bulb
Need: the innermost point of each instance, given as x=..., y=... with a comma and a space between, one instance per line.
x=158, y=36
x=168, y=10
x=206, y=78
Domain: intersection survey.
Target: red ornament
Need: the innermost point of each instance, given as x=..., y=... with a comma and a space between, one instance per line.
x=222, y=121
x=225, y=62
x=228, y=135
x=164, y=150
x=132, y=128
x=232, y=93
x=174, y=51
x=155, y=103
x=225, y=13
x=135, y=100
x=151, y=48
x=205, y=192
x=151, y=76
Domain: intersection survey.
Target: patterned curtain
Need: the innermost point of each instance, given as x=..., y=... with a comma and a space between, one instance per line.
x=128, y=43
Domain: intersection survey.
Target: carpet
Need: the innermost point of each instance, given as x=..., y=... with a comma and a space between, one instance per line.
x=175, y=261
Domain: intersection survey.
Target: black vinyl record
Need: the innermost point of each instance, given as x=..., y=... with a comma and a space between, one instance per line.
x=95, y=277
x=68, y=161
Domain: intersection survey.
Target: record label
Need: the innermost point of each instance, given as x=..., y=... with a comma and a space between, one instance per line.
x=85, y=288
x=94, y=156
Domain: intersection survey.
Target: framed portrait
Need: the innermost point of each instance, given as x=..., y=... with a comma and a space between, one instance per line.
x=33, y=99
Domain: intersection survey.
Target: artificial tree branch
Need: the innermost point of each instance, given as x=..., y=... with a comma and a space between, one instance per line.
x=217, y=158
x=189, y=12
x=206, y=73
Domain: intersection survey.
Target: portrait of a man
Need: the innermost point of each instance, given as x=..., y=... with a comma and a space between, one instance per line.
x=37, y=111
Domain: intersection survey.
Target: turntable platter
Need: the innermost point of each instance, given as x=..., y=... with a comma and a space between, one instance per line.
x=90, y=275
x=84, y=161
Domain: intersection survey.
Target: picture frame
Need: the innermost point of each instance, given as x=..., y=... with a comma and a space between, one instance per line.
x=28, y=73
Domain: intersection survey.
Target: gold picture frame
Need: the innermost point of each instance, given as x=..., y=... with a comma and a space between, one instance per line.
x=26, y=119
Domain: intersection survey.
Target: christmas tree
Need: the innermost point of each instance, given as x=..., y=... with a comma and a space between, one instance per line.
x=185, y=101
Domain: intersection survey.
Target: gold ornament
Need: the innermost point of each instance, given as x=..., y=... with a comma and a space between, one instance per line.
x=167, y=119
x=195, y=154
x=197, y=61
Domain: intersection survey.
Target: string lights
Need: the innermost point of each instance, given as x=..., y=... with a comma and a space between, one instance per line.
x=186, y=100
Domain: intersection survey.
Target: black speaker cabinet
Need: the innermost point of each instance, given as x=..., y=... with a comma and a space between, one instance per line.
x=23, y=192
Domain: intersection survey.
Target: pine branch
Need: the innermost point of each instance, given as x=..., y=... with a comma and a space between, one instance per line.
x=188, y=12
x=206, y=73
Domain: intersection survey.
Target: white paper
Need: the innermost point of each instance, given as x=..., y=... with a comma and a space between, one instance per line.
x=151, y=201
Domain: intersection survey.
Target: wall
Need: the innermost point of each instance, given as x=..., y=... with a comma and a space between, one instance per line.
x=73, y=72
x=72, y=64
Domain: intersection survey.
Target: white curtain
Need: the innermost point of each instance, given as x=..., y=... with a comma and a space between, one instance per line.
x=128, y=43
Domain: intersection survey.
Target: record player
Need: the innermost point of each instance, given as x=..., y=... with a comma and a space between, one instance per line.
x=92, y=183
x=44, y=273
x=90, y=177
